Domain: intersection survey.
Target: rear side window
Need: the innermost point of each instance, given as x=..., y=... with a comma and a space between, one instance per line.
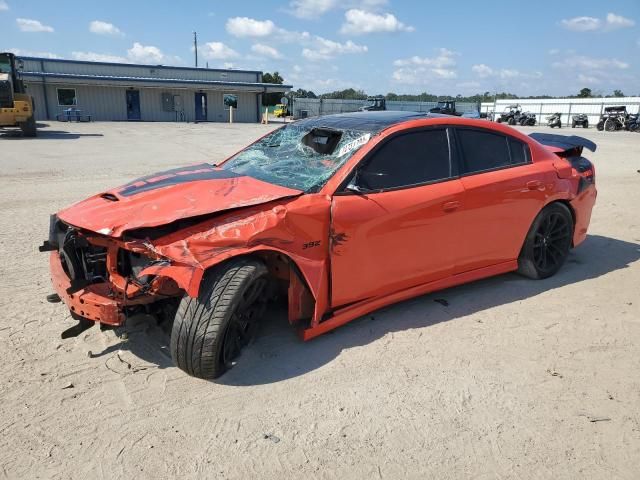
x=483, y=150
x=409, y=159
x=519, y=152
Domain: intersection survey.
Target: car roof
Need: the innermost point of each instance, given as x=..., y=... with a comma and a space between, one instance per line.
x=370, y=122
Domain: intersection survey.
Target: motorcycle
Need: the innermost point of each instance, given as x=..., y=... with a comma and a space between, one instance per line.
x=554, y=120
x=580, y=119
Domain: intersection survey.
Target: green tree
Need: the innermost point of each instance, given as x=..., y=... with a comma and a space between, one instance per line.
x=269, y=99
x=618, y=93
x=585, y=93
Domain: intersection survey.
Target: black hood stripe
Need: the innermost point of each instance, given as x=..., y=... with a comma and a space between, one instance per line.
x=176, y=176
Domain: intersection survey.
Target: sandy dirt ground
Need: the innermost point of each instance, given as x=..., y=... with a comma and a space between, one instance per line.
x=509, y=378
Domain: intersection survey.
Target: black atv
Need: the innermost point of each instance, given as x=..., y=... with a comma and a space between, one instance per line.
x=554, y=120
x=613, y=118
x=633, y=123
x=510, y=115
x=581, y=119
x=527, y=119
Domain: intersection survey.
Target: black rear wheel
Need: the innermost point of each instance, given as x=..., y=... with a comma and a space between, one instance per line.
x=547, y=244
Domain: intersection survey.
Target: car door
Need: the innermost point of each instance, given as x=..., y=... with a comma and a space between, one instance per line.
x=503, y=192
x=393, y=226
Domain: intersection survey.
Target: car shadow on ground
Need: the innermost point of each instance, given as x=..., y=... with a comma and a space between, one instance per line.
x=278, y=353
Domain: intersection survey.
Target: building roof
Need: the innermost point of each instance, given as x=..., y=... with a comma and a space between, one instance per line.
x=86, y=62
x=102, y=79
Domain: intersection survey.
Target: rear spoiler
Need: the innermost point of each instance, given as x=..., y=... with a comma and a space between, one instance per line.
x=564, y=142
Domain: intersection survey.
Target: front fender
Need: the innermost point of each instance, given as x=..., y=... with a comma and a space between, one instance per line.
x=298, y=229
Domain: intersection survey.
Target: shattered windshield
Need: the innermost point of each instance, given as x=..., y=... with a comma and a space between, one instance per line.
x=299, y=157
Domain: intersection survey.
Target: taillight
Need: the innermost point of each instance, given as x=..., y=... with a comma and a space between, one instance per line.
x=586, y=170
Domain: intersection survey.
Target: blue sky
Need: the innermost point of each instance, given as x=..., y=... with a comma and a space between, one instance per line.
x=528, y=48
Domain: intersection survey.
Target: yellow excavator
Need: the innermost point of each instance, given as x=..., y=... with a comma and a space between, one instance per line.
x=16, y=107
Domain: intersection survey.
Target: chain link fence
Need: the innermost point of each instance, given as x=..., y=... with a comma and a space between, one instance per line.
x=313, y=107
x=566, y=107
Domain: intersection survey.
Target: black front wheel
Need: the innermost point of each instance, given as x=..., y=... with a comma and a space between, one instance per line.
x=547, y=244
x=29, y=127
x=210, y=331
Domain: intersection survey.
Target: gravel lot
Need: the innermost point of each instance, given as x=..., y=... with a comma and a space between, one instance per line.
x=512, y=379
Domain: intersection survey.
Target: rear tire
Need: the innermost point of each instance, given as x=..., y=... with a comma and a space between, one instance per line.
x=547, y=243
x=511, y=121
x=210, y=331
x=610, y=125
x=29, y=127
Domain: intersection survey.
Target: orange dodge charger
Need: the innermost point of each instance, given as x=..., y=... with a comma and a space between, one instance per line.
x=339, y=215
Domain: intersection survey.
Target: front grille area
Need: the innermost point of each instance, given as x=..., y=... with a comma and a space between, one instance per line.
x=84, y=263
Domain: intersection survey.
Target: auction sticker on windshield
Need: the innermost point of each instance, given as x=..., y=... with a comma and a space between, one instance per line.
x=353, y=144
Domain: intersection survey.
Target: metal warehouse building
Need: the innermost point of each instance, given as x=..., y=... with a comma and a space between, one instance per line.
x=118, y=91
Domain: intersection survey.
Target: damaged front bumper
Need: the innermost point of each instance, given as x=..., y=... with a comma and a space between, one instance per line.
x=101, y=279
x=96, y=302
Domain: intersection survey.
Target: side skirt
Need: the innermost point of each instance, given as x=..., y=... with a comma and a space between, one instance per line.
x=346, y=314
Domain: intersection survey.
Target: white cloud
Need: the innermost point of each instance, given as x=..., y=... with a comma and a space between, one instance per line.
x=590, y=63
x=3, y=6
x=617, y=21
x=485, y=71
x=553, y=51
x=323, y=49
x=313, y=9
x=250, y=27
x=104, y=28
x=418, y=70
x=265, y=51
x=32, y=53
x=97, y=57
x=588, y=80
x=228, y=65
x=30, y=25
x=591, y=24
x=218, y=50
x=139, y=53
x=245, y=27
x=482, y=70
x=582, y=24
x=360, y=22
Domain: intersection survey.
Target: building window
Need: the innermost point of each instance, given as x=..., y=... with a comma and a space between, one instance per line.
x=67, y=97
x=230, y=100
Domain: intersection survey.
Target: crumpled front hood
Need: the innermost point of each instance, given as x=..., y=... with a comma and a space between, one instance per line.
x=169, y=196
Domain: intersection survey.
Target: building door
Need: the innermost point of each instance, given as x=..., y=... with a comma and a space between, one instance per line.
x=133, y=105
x=201, y=107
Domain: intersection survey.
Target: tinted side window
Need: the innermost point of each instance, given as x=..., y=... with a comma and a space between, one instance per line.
x=483, y=150
x=519, y=152
x=408, y=159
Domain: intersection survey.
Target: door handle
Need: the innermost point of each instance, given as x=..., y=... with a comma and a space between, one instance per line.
x=450, y=206
x=534, y=185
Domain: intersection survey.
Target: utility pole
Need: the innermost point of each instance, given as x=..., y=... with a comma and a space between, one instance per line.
x=195, y=46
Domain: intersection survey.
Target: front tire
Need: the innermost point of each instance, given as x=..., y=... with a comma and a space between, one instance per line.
x=210, y=331
x=547, y=243
x=29, y=127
